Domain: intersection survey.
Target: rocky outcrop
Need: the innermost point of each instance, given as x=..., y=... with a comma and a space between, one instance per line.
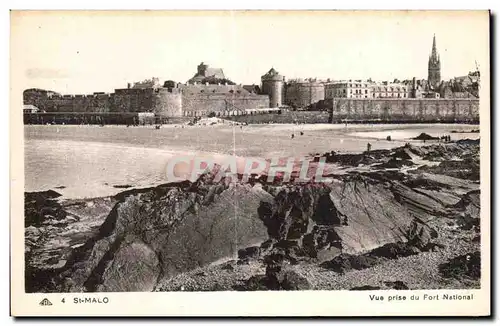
x=279, y=276
x=464, y=266
x=467, y=211
x=425, y=136
x=321, y=221
x=53, y=229
x=365, y=288
x=163, y=231
x=364, y=158
x=353, y=222
x=41, y=207
x=387, y=285
x=396, y=285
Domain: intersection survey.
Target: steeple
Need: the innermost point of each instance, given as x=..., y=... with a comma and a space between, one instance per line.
x=434, y=66
x=434, y=51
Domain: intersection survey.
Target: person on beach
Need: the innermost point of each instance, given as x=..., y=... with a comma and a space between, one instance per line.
x=368, y=147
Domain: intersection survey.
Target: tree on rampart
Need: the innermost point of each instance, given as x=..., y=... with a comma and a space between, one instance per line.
x=214, y=81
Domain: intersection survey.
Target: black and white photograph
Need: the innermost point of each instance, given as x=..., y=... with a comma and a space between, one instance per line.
x=243, y=151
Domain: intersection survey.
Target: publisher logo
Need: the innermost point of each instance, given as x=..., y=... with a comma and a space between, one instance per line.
x=45, y=302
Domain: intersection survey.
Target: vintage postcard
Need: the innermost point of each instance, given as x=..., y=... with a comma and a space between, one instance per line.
x=250, y=163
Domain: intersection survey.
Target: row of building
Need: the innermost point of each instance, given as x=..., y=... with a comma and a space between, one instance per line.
x=304, y=93
x=209, y=91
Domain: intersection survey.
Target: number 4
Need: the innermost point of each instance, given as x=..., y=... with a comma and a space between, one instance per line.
x=63, y=300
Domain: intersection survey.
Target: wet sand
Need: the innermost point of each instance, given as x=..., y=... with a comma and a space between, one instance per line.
x=93, y=161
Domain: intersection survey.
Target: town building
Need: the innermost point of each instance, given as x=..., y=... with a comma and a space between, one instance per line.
x=30, y=109
x=389, y=90
x=348, y=89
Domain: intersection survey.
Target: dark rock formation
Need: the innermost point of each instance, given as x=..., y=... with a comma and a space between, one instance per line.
x=53, y=228
x=356, y=159
x=42, y=206
x=160, y=232
x=394, y=163
x=365, y=288
x=446, y=152
x=346, y=262
x=419, y=204
x=420, y=235
x=425, y=136
x=467, y=211
x=279, y=276
x=249, y=253
x=397, y=285
x=394, y=250
x=122, y=186
x=468, y=265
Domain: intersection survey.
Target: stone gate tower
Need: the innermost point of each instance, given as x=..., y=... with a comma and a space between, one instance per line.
x=434, y=67
x=272, y=85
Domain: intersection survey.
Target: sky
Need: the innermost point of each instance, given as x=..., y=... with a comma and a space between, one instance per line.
x=85, y=52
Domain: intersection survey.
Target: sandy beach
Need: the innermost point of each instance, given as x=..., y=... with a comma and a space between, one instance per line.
x=93, y=161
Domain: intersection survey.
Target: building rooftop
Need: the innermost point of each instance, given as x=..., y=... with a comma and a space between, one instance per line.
x=272, y=74
x=204, y=71
x=29, y=107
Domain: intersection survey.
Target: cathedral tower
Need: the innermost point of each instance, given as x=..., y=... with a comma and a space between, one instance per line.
x=434, y=67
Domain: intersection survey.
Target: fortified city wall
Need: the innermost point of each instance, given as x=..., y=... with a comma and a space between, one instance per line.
x=302, y=94
x=168, y=102
x=379, y=110
x=405, y=109
x=222, y=100
x=185, y=100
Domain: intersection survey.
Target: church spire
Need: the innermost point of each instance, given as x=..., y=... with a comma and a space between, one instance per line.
x=434, y=57
x=434, y=51
x=434, y=67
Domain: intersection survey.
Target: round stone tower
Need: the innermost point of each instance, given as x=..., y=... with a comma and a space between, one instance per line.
x=272, y=85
